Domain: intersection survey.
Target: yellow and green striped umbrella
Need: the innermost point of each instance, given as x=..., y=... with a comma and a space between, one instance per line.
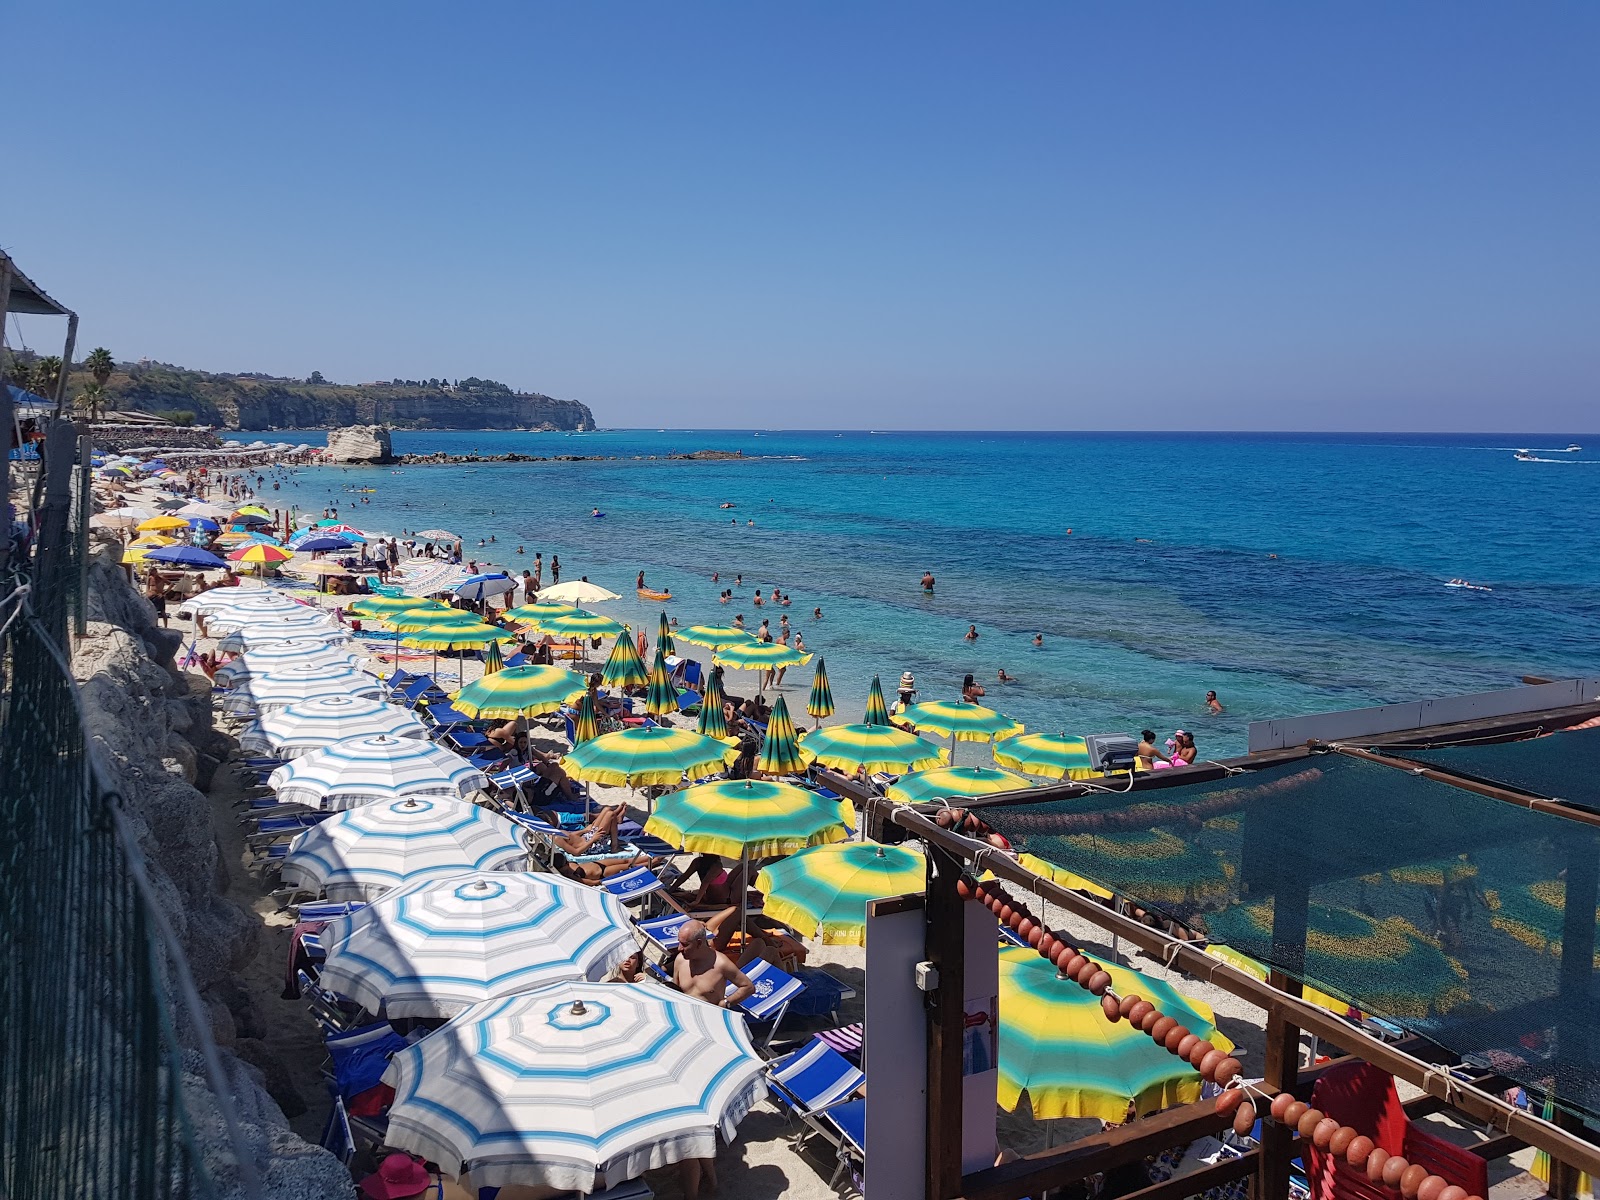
x=712, y=722
x=715, y=637
x=584, y=725
x=780, y=749
x=150, y=541
x=1048, y=755
x=519, y=692
x=877, y=711
x=820, y=704
x=624, y=668
x=961, y=720
x=662, y=697
x=664, y=636
x=739, y=817
x=824, y=891
x=644, y=757
x=455, y=636
x=871, y=747
x=492, y=661
x=427, y=616
x=954, y=783
x=576, y=623
x=532, y=614
x=760, y=656
x=1056, y=1044
x=254, y=510
x=377, y=606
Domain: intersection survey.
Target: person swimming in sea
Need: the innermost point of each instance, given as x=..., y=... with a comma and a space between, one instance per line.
x=927, y=582
x=1002, y=677
x=816, y=614
x=1038, y=640
x=972, y=634
x=1213, y=705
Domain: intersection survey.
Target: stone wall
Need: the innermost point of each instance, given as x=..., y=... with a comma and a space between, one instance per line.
x=117, y=439
x=150, y=727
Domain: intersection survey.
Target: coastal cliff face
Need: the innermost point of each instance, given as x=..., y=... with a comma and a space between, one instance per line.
x=359, y=444
x=150, y=729
x=261, y=402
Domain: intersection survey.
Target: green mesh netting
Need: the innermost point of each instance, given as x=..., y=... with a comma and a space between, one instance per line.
x=1562, y=766
x=1435, y=907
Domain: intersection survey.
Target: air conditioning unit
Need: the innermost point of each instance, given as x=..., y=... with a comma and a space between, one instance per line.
x=1110, y=752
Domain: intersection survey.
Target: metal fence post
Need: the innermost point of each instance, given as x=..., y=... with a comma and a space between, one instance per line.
x=80, y=625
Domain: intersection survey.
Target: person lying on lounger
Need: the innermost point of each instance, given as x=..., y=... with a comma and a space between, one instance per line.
x=598, y=832
x=596, y=873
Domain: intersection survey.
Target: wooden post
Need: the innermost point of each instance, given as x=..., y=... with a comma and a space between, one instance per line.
x=945, y=944
x=59, y=447
x=66, y=364
x=80, y=621
x=1280, y=1070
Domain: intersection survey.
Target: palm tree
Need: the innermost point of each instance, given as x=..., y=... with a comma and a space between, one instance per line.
x=46, y=374
x=92, y=401
x=100, y=364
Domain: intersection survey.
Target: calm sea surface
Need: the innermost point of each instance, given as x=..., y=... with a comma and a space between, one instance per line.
x=1166, y=585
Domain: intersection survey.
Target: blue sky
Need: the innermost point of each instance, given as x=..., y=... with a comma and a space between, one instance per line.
x=1029, y=215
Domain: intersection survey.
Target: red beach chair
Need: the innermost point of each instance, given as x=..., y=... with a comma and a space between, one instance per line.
x=1363, y=1096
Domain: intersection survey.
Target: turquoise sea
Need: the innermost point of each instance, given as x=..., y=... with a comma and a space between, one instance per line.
x=1165, y=587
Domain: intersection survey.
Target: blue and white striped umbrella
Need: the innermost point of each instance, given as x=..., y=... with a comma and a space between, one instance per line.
x=256, y=600
x=263, y=633
x=277, y=655
x=434, y=948
x=363, y=852
x=248, y=620
x=364, y=770
x=287, y=685
x=313, y=724
x=556, y=1086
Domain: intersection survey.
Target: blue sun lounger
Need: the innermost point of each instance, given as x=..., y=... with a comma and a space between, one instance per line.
x=816, y=1085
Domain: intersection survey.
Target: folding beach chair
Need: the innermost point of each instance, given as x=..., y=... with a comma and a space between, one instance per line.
x=633, y=885
x=337, y=1137
x=775, y=989
x=810, y=1086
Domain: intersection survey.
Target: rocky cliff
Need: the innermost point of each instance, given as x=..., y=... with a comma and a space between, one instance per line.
x=359, y=444
x=150, y=728
x=261, y=402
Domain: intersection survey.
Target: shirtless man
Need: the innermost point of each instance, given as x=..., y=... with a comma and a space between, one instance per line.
x=704, y=972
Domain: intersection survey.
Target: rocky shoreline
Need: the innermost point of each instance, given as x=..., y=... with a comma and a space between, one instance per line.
x=440, y=458
x=150, y=728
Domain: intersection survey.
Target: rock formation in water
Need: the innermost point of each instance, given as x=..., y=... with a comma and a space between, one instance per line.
x=150, y=728
x=359, y=444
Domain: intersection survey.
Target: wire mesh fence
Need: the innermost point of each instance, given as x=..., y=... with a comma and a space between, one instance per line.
x=91, y=1099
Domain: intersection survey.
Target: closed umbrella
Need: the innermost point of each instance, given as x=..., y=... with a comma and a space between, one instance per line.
x=664, y=636
x=1056, y=1044
x=823, y=892
x=435, y=947
x=820, y=703
x=362, y=852
x=662, y=698
x=712, y=722
x=585, y=725
x=877, y=711
x=365, y=770
x=780, y=749
x=312, y=724
x=851, y=748
x=573, y=1081
x=646, y=757
x=492, y=660
x=624, y=667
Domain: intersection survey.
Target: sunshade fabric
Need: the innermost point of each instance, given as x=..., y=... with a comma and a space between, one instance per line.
x=873, y=747
x=734, y=817
x=525, y=691
x=823, y=892
x=645, y=757
x=365, y=770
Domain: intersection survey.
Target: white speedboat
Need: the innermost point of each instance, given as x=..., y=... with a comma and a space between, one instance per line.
x=1526, y=456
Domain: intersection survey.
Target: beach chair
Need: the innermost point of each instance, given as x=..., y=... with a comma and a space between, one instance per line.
x=632, y=886
x=1364, y=1097
x=334, y=1014
x=816, y=1085
x=337, y=1137
x=420, y=690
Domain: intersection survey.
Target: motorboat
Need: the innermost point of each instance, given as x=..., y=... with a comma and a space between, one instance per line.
x=1526, y=456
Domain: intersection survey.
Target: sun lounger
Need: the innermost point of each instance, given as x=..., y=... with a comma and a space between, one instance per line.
x=847, y=1039
x=816, y=1085
x=633, y=885
x=337, y=1137
x=332, y=1013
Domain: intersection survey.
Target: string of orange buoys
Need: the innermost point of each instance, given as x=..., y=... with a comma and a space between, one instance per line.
x=1414, y=1181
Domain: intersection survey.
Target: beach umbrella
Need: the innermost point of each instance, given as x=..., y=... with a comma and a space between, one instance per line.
x=165, y=521
x=312, y=724
x=322, y=542
x=190, y=558
x=478, y=587
x=526, y=691
x=433, y=948
x=738, y=817
x=959, y=720
x=343, y=530
x=492, y=660
x=953, y=783
x=283, y=686
x=320, y=568
x=576, y=591
x=289, y=622
x=760, y=656
x=204, y=523
x=585, y=726
x=877, y=711
x=365, y=770
x=426, y=615
x=455, y=636
x=532, y=614
x=1256, y=970
x=252, y=510
x=283, y=654
x=258, y=552
x=249, y=519
x=715, y=637
x=823, y=892
x=662, y=698
x=576, y=623
x=820, y=704
x=645, y=757
x=438, y=535
x=624, y=667
x=573, y=1081
x=199, y=508
x=362, y=852
x=126, y=517
x=148, y=541
x=1048, y=755
x=256, y=599
x=712, y=721
x=664, y=636
x=264, y=634
x=850, y=748
x=136, y=554
x=780, y=749
x=1152, y=865
x=1056, y=1044
x=379, y=606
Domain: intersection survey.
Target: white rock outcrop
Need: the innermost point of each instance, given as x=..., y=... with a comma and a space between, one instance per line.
x=359, y=444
